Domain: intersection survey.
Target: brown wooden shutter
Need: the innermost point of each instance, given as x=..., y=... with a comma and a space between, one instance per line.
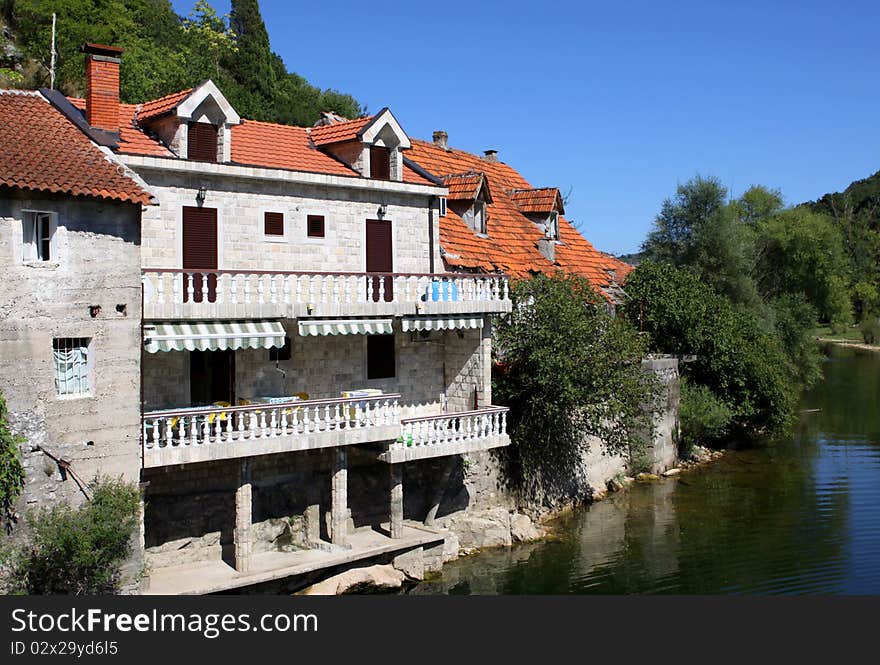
x=379, y=255
x=274, y=224
x=380, y=163
x=200, y=249
x=380, y=357
x=315, y=226
x=202, y=142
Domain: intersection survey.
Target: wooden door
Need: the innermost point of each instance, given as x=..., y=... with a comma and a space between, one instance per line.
x=200, y=250
x=379, y=255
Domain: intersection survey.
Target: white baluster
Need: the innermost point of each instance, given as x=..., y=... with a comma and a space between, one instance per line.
x=284, y=422
x=285, y=284
x=263, y=425
x=240, y=425
x=273, y=425
x=190, y=285
x=205, y=277
x=306, y=423
x=222, y=280
x=229, y=418
x=337, y=415
x=295, y=421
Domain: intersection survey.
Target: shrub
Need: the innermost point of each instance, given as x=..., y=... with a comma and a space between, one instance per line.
x=78, y=550
x=870, y=329
x=11, y=470
x=703, y=416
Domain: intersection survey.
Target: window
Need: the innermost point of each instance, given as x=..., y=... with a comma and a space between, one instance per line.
x=72, y=366
x=315, y=225
x=202, y=142
x=480, y=217
x=553, y=226
x=38, y=229
x=380, y=163
x=276, y=354
x=273, y=224
x=443, y=206
x=380, y=357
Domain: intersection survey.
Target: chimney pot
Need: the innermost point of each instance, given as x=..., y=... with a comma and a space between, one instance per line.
x=440, y=139
x=102, y=86
x=490, y=155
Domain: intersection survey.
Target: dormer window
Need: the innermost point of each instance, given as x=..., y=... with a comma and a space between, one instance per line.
x=480, y=217
x=553, y=226
x=380, y=163
x=202, y=142
x=442, y=206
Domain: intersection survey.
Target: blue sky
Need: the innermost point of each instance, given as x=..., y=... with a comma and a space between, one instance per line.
x=617, y=102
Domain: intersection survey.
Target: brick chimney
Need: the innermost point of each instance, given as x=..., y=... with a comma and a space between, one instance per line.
x=102, y=86
x=440, y=139
x=490, y=155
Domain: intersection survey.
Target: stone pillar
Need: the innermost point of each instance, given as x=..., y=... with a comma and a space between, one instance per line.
x=396, y=473
x=486, y=362
x=339, y=498
x=312, y=519
x=243, y=515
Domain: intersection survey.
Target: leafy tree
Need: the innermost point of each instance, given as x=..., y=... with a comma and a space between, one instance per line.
x=11, y=470
x=78, y=550
x=703, y=416
x=742, y=362
x=570, y=371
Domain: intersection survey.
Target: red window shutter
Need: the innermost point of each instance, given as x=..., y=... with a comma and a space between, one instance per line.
x=380, y=163
x=315, y=226
x=200, y=249
x=202, y=142
x=274, y=224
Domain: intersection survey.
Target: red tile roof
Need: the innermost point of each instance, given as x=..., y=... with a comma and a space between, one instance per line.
x=544, y=199
x=43, y=151
x=465, y=186
x=512, y=243
x=161, y=106
x=339, y=131
x=132, y=139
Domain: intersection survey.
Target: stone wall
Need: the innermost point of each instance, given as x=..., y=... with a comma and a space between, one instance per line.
x=241, y=205
x=95, y=262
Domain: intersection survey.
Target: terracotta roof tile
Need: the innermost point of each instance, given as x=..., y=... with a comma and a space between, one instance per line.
x=43, y=151
x=281, y=147
x=339, y=131
x=512, y=242
x=132, y=139
x=463, y=186
x=157, y=107
x=544, y=199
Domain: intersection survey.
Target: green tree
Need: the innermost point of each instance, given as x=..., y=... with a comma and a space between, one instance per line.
x=11, y=470
x=570, y=371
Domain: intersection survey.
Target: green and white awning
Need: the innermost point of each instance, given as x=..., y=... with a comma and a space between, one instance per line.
x=317, y=327
x=212, y=335
x=441, y=322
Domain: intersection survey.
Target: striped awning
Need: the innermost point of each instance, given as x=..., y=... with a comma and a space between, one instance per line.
x=345, y=327
x=212, y=335
x=441, y=322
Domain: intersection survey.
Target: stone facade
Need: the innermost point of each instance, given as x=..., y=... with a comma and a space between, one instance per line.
x=89, y=289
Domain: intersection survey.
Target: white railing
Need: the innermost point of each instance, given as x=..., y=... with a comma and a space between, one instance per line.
x=200, y=426
x=451, y=428
x=260, y=287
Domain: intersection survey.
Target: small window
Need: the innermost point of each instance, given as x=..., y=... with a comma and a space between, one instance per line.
x=202, y=142
x=72, y=366
x=380, y=357
x=38, y=229
x=480, y=217
x=315, y=225
x=380, y=163
x=443, y=206
x=273, y=224
x=276, y=354
x=553, y=226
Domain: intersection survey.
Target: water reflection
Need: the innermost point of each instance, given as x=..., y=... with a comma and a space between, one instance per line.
x=799, y=515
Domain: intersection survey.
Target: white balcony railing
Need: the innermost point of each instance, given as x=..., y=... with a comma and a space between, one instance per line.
x=176, y=287
x=218, y=426
x=452, y=428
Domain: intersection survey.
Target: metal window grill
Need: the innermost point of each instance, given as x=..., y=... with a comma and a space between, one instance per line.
x=71, y=365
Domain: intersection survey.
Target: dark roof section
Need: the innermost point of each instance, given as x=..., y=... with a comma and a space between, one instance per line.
x=69, y=111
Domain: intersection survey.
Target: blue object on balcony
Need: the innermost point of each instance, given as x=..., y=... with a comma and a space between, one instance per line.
x=444, y=290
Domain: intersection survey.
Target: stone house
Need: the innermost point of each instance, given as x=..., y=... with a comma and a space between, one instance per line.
x=70, y=302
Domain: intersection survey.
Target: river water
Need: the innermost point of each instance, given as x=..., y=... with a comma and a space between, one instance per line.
x=797, y=515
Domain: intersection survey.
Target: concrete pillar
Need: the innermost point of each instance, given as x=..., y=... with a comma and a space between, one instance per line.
x=243, y=515
x=396, y=472
x=312, y=519
x=486, y=362
x=339, y=498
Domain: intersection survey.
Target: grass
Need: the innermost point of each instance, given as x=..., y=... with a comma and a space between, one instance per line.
x=852, y=334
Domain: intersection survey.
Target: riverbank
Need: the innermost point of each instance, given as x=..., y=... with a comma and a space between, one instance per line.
x=850, y=344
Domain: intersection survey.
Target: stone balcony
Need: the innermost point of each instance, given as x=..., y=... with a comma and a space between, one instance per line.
x=201, y=434
x=182, y=295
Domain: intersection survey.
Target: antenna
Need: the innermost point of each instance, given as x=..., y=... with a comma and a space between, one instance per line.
x=52, y=63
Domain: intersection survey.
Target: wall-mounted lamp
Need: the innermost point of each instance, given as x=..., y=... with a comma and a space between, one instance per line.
x=201, y=194
x=380, y=213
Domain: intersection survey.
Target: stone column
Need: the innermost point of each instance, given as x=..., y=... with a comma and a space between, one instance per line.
x=396, y=473
x=241, y=536
x=339, y=498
